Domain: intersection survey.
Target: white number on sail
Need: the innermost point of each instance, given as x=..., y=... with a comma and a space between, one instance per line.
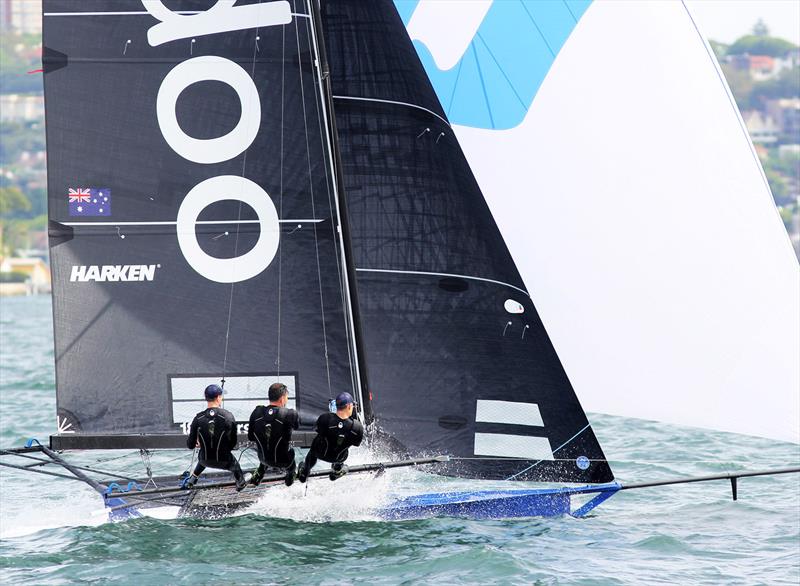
x=240, y=268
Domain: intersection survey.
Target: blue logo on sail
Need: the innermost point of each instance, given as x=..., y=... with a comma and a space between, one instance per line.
x=494, y=82
x=89, y=201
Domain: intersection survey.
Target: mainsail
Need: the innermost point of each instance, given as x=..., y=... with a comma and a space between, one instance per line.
x=459, y=359
x=193, y=222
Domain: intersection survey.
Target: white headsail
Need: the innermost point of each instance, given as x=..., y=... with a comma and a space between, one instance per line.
x=638, y=214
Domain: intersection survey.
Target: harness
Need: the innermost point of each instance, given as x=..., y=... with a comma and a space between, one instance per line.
x=212, y=429
x=274, y=428
x=334, y=441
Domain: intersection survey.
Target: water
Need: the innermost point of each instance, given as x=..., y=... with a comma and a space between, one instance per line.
x=54, y=531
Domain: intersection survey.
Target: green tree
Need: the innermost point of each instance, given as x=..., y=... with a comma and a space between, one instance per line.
x=13, y=200
x=788, y=164
x=16, y=137
x=760, y=45
x=760, y=28
x=16, y=233
x=18, y=55
x=786, y=85
x=741, y=85
x=778, y=186
x=720, y=49
x=787, y=215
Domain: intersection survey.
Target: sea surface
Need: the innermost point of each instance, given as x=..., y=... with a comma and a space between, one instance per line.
x=54, y=531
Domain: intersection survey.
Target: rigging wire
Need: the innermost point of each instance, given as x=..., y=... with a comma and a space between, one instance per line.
x=313, y=207
x=280, y=194
x=43, y=462
x=115, y=458
x=622, y=461
x=46, y=472
x=238, y=222
x=331, y=207
x=523, y=471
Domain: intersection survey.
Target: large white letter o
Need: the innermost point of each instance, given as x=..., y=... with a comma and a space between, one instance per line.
x=211, y=150
x=239, y=268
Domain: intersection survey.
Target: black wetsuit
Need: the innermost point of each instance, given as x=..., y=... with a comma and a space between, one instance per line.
x=271, y=429
x=215, y=431
x=334, y=438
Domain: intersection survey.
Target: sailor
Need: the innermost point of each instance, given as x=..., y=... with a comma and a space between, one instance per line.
x=336, y=432
x=271, y=428
x=214, y=432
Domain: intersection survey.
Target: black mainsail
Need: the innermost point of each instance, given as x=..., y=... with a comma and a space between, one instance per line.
x=459, y=359
x=194, y=233
x=199, y=232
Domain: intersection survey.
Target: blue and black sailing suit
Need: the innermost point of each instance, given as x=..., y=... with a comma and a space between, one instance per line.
x=334, y=438
x=271, y=429
x=214, y=430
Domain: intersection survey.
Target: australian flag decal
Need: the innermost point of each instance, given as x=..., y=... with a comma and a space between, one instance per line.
x=90, y=201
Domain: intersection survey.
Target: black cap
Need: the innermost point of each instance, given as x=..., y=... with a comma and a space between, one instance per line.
x=213, y=391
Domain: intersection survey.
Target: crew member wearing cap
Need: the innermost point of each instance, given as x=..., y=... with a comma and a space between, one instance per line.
x=271, y=429
x=214, y=432
x=336, y=432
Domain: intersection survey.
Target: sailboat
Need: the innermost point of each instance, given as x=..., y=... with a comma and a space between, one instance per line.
x=272, y=191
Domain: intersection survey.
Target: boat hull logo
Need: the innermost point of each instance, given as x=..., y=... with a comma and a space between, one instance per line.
x=112, y=273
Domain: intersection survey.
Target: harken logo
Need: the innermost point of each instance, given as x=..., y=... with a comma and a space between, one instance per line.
x=113, y=273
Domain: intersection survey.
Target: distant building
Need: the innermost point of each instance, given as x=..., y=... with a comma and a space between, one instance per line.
x=789, y=61
x=36, y=271
x=762, y=128
x=786, y=113
x=787, y=150
x=21, y=16
x=760, y=67
x=20, y=107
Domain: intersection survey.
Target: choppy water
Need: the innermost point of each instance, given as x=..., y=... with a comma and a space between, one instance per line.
x=54, y=531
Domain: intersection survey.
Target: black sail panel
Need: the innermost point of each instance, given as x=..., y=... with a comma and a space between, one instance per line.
x=459, y=359
x=193, y=232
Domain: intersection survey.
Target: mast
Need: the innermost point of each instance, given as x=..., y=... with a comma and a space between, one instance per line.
x=350, y=283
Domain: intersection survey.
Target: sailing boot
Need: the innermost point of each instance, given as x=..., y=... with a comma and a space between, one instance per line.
x=291, y=474
x=240, y=483
x=337, y=471
x=189, y=482
x=258, y=474
x=302, y=476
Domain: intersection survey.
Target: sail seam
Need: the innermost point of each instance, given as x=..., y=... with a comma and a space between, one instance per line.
x=141, y=13
x=395, y=102
x=174, y=223
x=427, y=273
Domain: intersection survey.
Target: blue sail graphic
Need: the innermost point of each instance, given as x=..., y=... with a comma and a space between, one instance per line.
x=497, y=77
